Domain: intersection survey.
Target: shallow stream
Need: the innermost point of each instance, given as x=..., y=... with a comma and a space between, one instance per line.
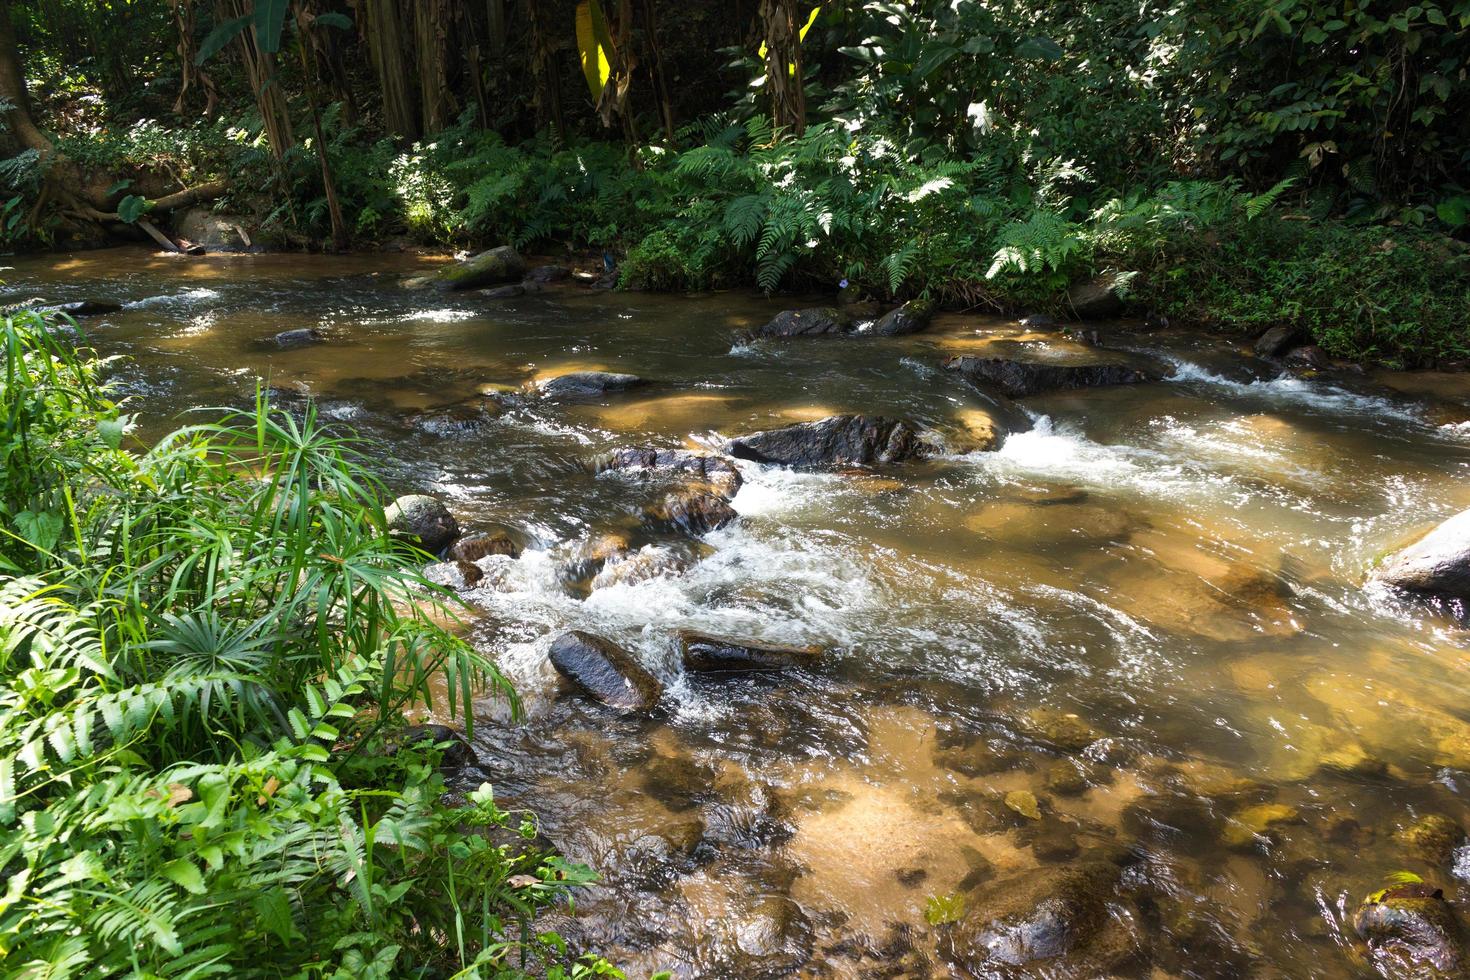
x=1147, y=612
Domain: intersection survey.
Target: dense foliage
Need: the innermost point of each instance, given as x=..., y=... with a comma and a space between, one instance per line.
x=206, y=651
x=984, y=153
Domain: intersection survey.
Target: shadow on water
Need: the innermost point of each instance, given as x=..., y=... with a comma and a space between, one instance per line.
x=1123, y=664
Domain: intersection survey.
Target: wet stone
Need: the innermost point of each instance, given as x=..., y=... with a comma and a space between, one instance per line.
x=548, y=273
x=824, y=321
x=1059, y=729
x=1437, y=564
x=692, y=511
x=711, y=654
x=457, y=575
x=1410, y=928
x=1016, y=379
x=717, y=471
x=1278, y=340
x=605, y=671
x=1037, y=321
x=1065, y=777
x=85, y=307
x=496, y=265
x=842, y=440
x=473, y=547
x=911, y=317
x=423, y=520
x=301, y=337
x=504, y=292
x=588, y=384
x=1432, y=839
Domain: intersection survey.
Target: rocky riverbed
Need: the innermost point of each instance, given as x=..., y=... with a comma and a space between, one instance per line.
x=913, y=645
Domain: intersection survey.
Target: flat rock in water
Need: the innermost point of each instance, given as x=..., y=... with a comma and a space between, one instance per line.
x=1437, y=564
x=717, y=471
x=819, y=322
x=302, y=337
x=842, y=440
x=911, y=317
x=1016, y=379
x=605, y=671
x=85, y=307
x=588, y=384
x=489, y=268
x=504, y=292
x=548, y=273
x=1278, y=340
x=713, y=654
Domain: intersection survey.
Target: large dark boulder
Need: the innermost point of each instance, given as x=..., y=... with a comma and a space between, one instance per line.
x=1040, y=916
x=1437, y=564
x=1278, y=340
x=605, y=671
x=911, y=317
x=1412, y=931
x=820, y=322
x=489, y=268
x=1015, y=379
x=1096, y=297
x=588, y=384
x=717, y=471
x=713, y=654
x=423, y=520
x=842, y=440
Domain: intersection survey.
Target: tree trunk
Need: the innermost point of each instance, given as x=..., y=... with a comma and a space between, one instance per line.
x=385, y=40
x=783, y=65
x=190, y=74
x=656, y=68
x=548, y=82
x=431, y=24
x=260, y=71
x=308, y=72
x=327, y=48
x=13, y=88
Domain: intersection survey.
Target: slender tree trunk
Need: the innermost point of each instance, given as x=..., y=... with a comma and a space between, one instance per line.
x=260, y=71
x=385, y=41
x=656, y=68
x=13, y=88
x=190, y=74
x=783, y=65
x=495, y=21
x=431, y=48
x=308, y=71
x=466, y=25
x=548, y=82
x=326, y=47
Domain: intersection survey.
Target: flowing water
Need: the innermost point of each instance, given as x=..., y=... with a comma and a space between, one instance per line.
x=1147, y=611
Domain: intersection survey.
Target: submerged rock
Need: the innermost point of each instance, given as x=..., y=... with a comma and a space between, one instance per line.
x=842, y=440
x=605, y=671
x=1060, y=729
x=1432, y=839
x=702, y=653
x=692, y=511
x=911, y=317
x=473, y=547
x=504, y=292
x=1015, y=379
x=1042, y=915
x=1437, y=564
x=1095, y=297
x=717, y=471
x=458, y=575
x=588, y=384
x=422, y=519
x=300, y=337
x=823, y=321
x=1309, y=357
x=1410, y=928
x=496, y=265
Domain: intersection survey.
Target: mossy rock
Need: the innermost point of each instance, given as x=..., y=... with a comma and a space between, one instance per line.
x=489, y=268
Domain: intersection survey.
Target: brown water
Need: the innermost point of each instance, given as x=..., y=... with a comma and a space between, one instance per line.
x=1147, y=612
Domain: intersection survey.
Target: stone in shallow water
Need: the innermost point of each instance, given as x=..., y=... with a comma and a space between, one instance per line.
x=824, y=321
x=457, y=575
x=717, y=471
x=588, y=384
x=605, y=671
x=911, y=317
x=1432, y=839
x=702, y=653
x=473, y=547
x=422, y=519
x=1437, y=564
x=843, y=440
x=692, y=511
x=301, y=337
x=1410, y=929
x=496, y=265
x=1016, y=379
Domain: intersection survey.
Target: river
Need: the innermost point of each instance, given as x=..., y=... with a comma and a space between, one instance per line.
x=1147, y=612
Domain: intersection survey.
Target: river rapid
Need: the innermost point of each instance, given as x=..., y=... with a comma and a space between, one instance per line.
x=1147, y=612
